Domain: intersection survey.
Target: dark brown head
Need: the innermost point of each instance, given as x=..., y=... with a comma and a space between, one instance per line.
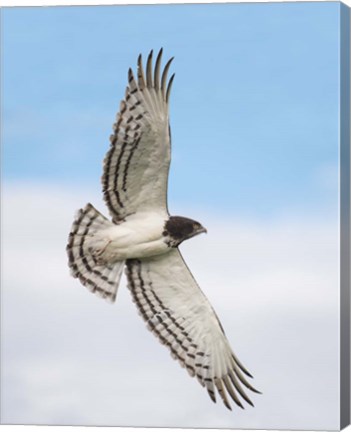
x=178, y=229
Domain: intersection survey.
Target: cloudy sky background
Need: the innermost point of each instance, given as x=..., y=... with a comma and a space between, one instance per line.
x=254, y=120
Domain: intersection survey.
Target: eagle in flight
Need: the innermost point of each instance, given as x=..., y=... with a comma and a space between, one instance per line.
x=143, y=238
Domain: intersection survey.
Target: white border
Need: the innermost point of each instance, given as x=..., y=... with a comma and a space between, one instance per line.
x=12, y=3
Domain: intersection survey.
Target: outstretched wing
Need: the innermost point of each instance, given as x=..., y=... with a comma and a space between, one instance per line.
x=177, y=311
x=135, y=173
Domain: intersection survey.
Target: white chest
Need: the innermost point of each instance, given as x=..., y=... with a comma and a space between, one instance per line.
x=138, y=237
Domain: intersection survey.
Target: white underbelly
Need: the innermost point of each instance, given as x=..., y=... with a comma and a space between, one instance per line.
x=139, y=237
x=138, y=250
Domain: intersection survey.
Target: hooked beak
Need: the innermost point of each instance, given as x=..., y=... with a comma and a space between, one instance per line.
x=199, y=231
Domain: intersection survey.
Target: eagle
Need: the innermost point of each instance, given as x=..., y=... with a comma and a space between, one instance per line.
x=143, y=238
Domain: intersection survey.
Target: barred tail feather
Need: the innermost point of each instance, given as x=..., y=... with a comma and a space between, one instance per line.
x=102, y=279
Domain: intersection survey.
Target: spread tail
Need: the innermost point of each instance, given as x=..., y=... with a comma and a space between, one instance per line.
x=102, y=279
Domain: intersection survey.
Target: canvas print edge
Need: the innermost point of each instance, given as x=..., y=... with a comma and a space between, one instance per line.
x=344, y=216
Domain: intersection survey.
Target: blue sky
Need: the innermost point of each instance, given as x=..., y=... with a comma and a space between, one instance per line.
x=254, y=109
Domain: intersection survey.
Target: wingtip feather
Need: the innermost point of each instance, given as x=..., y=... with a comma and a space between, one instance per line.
x=169, y=87
x=149, y=70
x=164, y=76
x=141, y=78
x=246, y=372
x=157, y=70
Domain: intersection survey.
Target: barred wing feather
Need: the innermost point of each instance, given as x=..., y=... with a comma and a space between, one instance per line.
x=179, y=314
x=135, y=173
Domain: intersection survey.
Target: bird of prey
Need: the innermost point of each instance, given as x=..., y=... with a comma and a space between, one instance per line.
x=143, y=238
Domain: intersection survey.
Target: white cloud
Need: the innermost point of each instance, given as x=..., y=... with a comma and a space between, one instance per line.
x=70, y=358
